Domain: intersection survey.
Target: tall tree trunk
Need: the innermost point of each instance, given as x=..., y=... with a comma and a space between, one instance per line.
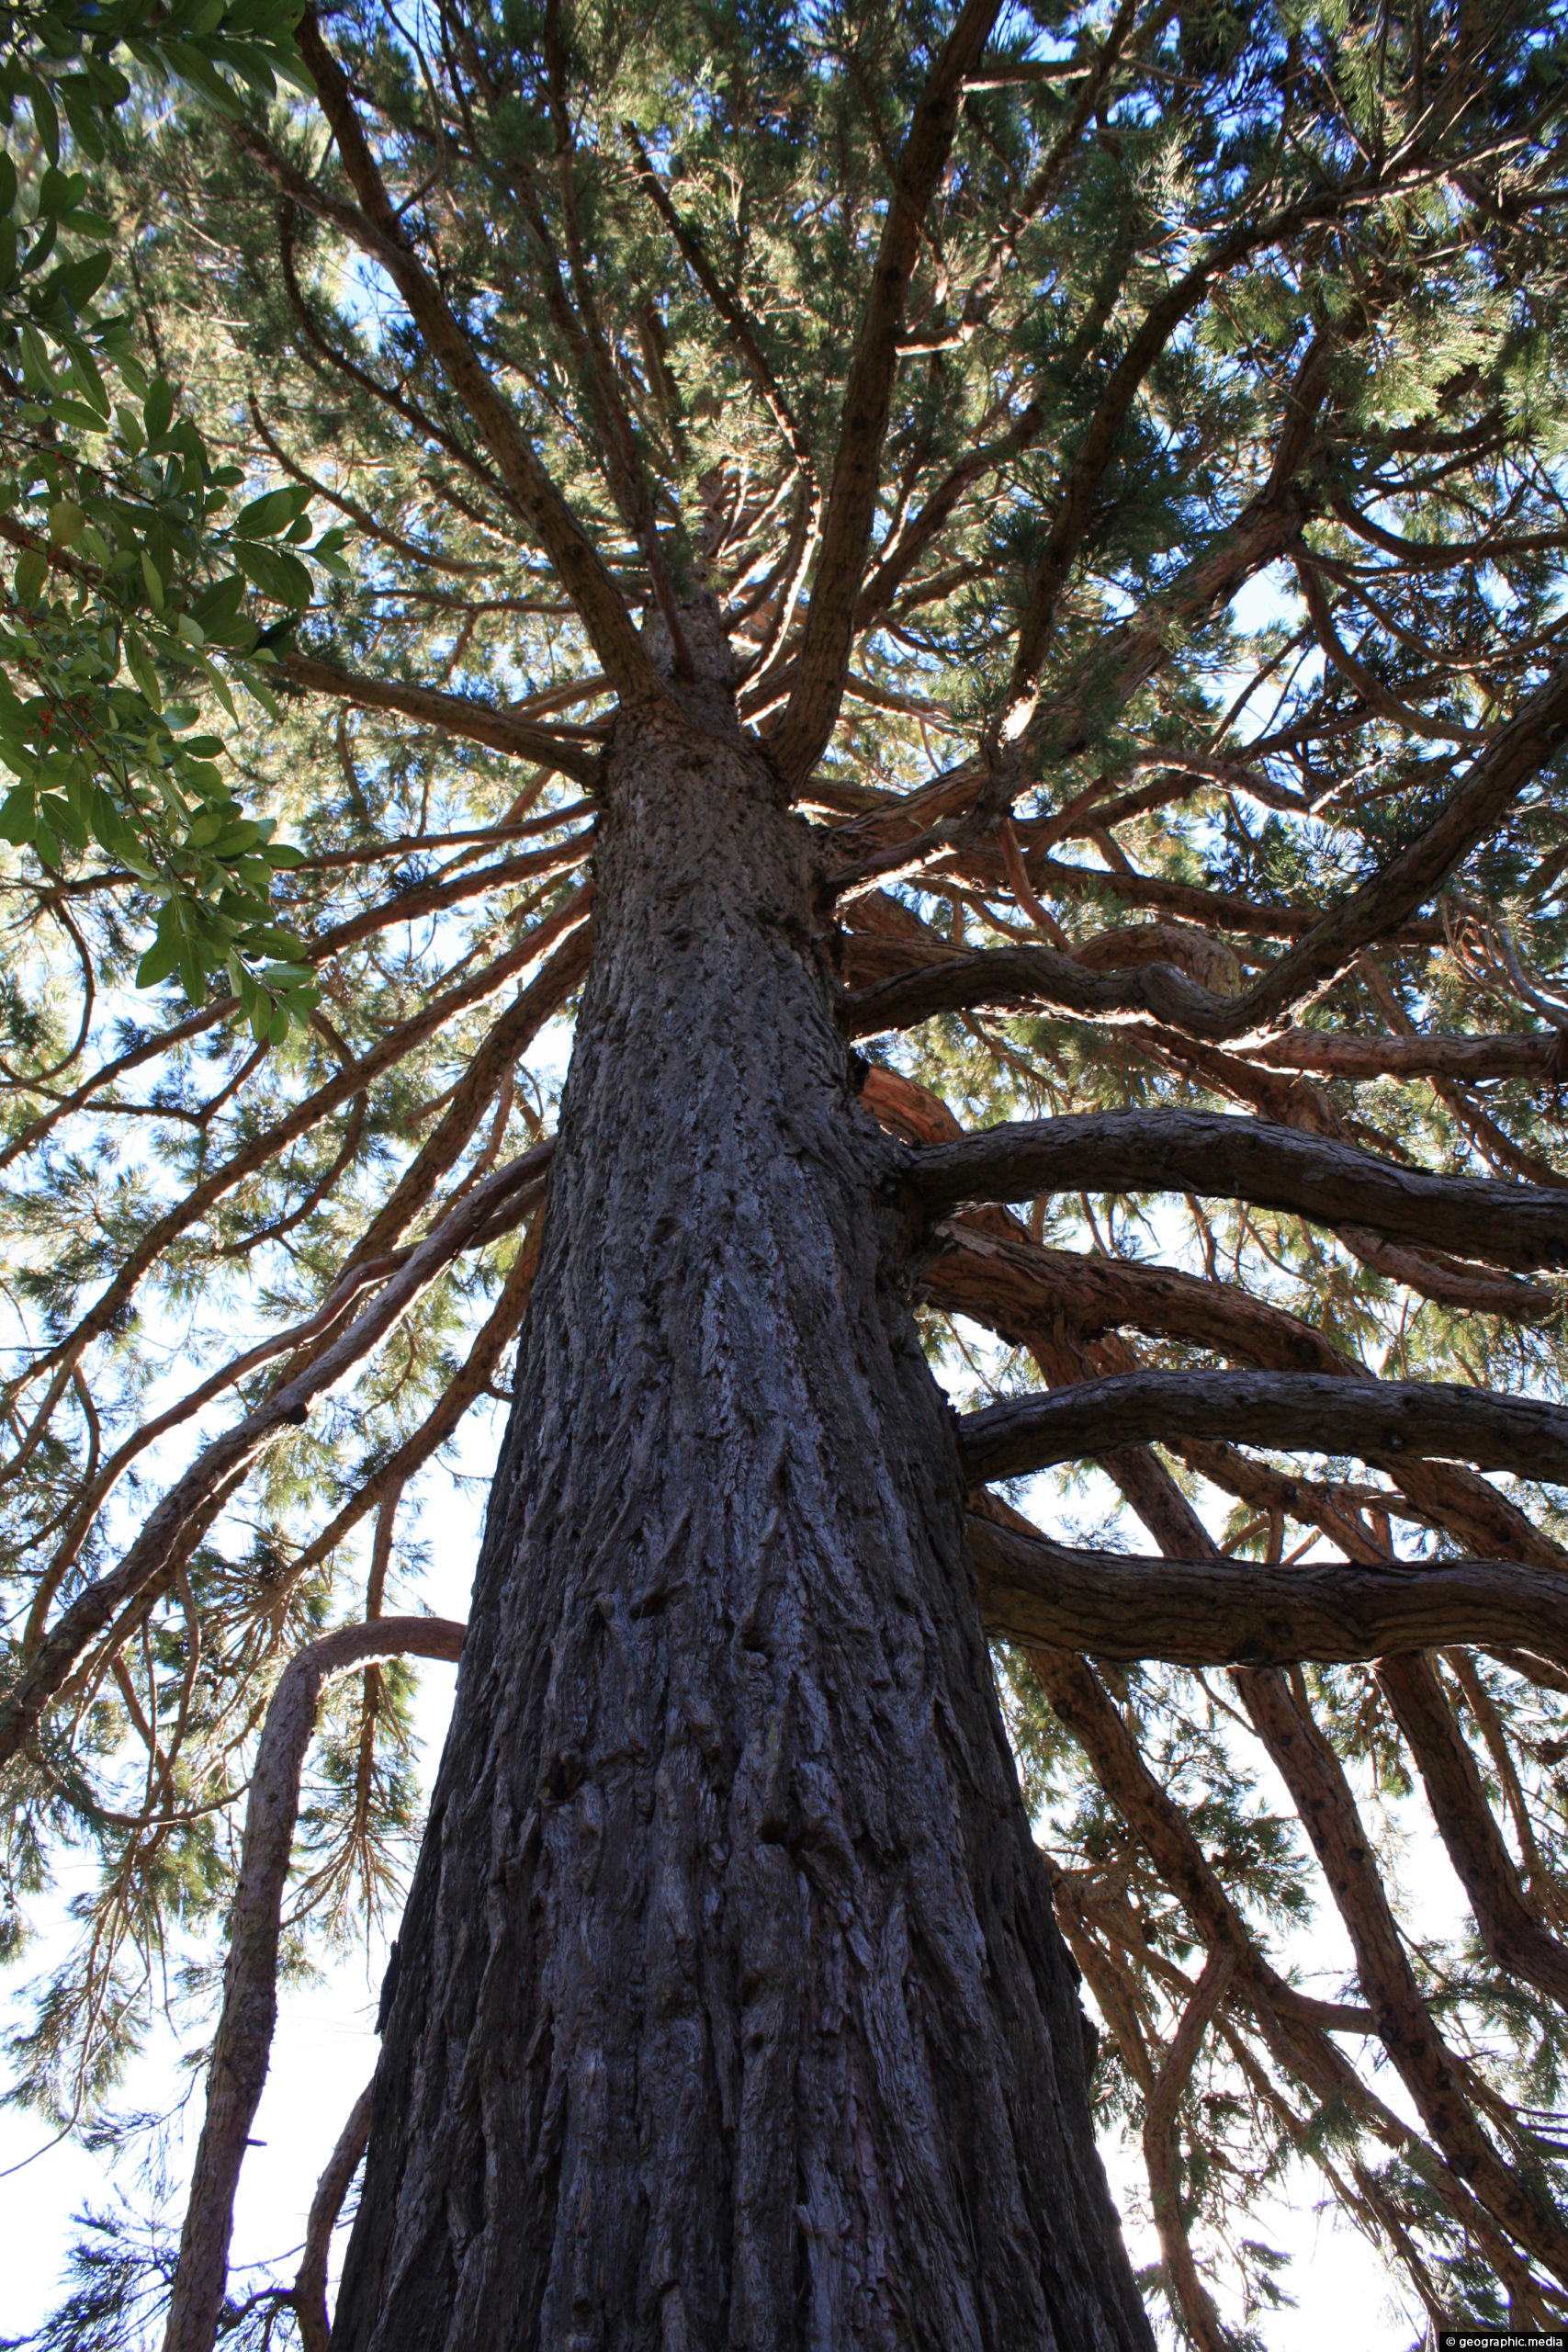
x=729, y=2007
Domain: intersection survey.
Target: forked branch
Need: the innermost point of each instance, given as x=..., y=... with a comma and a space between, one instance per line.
x=1160, y=2155
x=1517, y=1939
x=375, y=226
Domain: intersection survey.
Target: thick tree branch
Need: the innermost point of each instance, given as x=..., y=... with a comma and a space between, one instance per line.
x=1319, y=1412
x=984, y=1266
x=1220, y=1612
x=1019, y=1289
x=1006, y=978
x=1160, y=992
x=311, y=2278
x=243, y=2042
x=1479, y=1059
x=1011, y=979
x=1247, y=1160
x=1432, y=1274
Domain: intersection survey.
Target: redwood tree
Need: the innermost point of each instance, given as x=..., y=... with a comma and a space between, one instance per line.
x=974, y=596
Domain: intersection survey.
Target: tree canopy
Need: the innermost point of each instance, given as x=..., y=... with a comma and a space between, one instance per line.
x=1126, y=451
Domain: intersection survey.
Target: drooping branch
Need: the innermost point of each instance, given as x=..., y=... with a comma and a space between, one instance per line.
x=1162, y=1829
x=166, y=1041
x=444, y=1416
x=1376, y=696
x=1320, y=1412
x=488, y=1067
x=1222, y=1611
x=237, y=2068
x=1292, y=2023
x=1255, y=1160
x=96, y=1490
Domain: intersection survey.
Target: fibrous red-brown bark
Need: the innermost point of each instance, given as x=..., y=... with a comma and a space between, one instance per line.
x=729, y=2008
x=1212, y=1610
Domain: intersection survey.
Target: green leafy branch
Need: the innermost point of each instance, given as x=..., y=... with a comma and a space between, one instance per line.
x=130, y=587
